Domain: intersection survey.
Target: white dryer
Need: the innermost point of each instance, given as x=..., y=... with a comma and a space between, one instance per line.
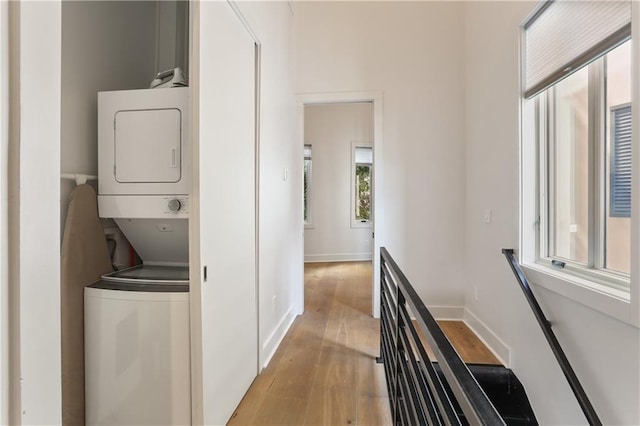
x=144, y=170
x=143, y=142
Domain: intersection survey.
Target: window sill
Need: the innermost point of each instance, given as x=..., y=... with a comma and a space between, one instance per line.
x=309, y=226
x=609, y=301
x=357, y=224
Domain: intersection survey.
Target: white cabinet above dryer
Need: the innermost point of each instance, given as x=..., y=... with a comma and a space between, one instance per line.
x=143, y=142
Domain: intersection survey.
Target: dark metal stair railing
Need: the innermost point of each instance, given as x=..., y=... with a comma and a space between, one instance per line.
x=545, y=325
x=417, y=395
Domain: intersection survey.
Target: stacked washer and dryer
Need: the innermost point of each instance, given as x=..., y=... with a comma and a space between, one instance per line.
x=137, y=345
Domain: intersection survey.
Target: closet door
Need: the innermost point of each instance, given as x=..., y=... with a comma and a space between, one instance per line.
x=227, y=210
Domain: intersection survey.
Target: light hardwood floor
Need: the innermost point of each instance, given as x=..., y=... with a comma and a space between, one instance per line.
x=324, y=372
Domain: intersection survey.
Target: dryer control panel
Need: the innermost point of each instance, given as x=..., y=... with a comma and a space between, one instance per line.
x=144, y=206
x=177, y=205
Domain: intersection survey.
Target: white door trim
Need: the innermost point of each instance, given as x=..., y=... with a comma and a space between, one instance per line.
x=376, y=97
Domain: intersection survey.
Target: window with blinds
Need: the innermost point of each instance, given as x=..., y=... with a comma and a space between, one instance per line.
x=577, y=76
x=361, y=184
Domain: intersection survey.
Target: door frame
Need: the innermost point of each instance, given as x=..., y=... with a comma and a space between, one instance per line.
x=376, y=98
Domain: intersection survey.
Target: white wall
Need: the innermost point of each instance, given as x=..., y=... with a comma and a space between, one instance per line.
x=4, y=238
x=172, y=35
x=331, y=129
x=603, y=351
x=106, y=45
x=413, y=52
x=36, y=268
x=280, y=206
x=13, y=213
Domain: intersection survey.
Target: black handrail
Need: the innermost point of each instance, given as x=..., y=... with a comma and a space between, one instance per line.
x=416, y=393
x=570, y=375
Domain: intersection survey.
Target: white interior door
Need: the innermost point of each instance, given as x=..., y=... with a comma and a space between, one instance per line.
x=227, y=210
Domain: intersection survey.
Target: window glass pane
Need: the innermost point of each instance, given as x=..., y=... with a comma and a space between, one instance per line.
x=307, y=183
x=618, y=155
x=568, y=172
x=363, y=192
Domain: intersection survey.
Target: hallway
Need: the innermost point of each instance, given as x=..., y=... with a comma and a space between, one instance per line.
x=324, y=372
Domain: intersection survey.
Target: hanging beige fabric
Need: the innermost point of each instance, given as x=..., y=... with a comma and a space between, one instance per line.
x=85, y=257
x=560, y=37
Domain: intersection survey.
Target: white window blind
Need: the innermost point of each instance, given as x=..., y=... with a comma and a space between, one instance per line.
x=563, y=36
x=364, y=155
x=307, y=152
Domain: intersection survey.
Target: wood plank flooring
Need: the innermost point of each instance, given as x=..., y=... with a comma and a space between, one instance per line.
x=466, y=343
x=324, y=372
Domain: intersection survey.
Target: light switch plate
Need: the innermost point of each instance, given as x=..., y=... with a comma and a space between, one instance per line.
x=486, y=217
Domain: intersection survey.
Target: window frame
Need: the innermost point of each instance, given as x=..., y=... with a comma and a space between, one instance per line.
x=594, y=270
x=360, y=223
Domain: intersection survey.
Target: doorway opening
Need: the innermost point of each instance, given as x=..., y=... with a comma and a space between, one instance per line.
x=341, y=143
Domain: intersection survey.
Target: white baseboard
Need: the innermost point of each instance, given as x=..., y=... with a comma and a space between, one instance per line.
x=337, y=257
x=272, y=343
x=488, y=337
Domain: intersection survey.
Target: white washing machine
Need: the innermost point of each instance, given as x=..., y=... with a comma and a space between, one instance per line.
x=137, y=353
x=137, y=343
